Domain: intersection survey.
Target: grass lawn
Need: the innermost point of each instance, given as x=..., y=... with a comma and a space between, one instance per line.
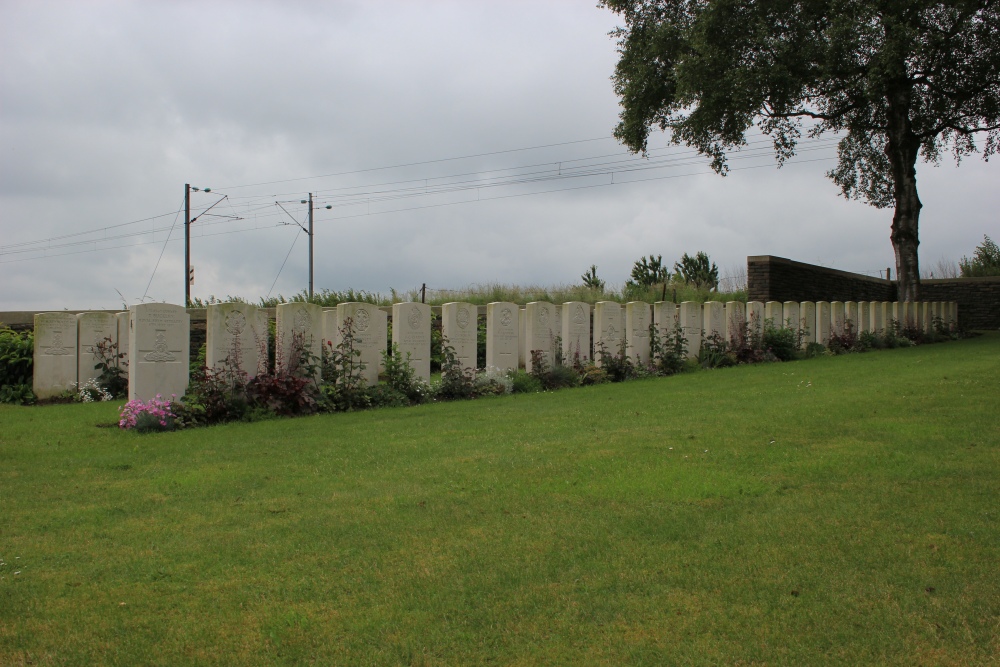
x=835, y=511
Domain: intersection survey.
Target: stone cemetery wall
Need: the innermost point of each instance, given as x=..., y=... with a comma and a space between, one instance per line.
x=55, y=356
x=159, y=343
x=502, y=335
x=411, y=332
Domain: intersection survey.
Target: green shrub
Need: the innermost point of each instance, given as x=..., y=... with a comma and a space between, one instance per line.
x=343, y=383
x=16, y=366
x=782, y=342
x=456, y=381
x=985, y=260
x=618, y=366
x=401, y=377
x=715, y=353
x=523, y=382
x=668, y=354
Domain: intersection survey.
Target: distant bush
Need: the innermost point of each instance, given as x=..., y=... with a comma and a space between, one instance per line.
x=16, y=366
x=985, y=260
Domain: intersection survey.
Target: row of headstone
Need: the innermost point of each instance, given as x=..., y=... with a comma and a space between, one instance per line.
x=156, y=337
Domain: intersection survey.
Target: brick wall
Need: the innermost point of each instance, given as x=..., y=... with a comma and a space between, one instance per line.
x=779, y=279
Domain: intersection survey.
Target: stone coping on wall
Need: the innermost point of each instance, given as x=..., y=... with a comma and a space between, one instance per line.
x=774, y=259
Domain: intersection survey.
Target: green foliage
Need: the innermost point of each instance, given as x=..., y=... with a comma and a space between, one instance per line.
x=457, y=382
x=781, y=341
x=590, y=279
x=114, y=373
x=554, y=376
x=648, y=271
x=401, y=377
x=715, y=353
x=344, y=386
x=985, y=260
x=16, y=366
x=524, y=382
x=669, y=352
x=895, y=81
x=698, y=271
x=617, y=365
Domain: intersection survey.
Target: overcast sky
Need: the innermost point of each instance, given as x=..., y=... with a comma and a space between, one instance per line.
x=456, y=142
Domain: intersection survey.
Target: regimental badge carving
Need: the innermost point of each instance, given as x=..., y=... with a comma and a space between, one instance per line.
x=236, y=322
x=415, y=317
x=612, y=332
x=462, y=317
x=160, y=353
x=505, y=317
x=302, y=322
x=362, y=320
x=57, y=345
x=543, y=316
x=579, y=316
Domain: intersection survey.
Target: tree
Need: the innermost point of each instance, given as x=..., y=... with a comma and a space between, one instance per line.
x=985, y=261
x=897, y=79
x=591, y=280
x=698, y=271
x=648, y=272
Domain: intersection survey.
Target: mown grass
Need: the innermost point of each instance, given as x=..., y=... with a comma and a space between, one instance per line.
x=830, y=511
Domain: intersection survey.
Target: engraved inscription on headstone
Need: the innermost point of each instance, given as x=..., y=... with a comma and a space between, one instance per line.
x=297, y=332
x=575, y=331
x=459, y=330
x=411, y=333
x=609, y=322
x=55, y=354
x=365, y=320
x=691, y=324
x=637, y=320
x=540, y=332
x=502, y=335
x=94, y=329
x=236, y=334
x=159, y=348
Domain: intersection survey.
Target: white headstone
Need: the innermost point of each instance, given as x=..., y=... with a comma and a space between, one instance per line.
x=837, y=317
x=807, y=322
x=298, y=328
x=926, y=317
x=755, y=318
x=123, y=332
x=94, y=329
x=775, y=311
x=541, y=327
x=715, y=321
x=790, y=315
x=459, y=329
x=411, y=334
x=330, y=332
x=369, y=326
x=575, y=331
x=502, y=335
x=609, y=325
x=864, y=317
x=691, y=323
x=522, y=340
x=851, y=316
x=883, y=315
x=823, y=322
x=159, y=351
x=735, y=313
x=55, y=354
x=235, y=335
x=638, y=317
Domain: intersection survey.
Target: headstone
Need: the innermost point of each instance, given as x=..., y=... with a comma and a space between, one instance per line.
x=884, y=312
x=502, y=335
x=837, y=317
x=807, y=322
x=609, y=325
x=411, y=334
x=790, y=316
x=235, y=337
x=55, y=354
x=522, y=341
x=159, y=351
x=851, y=317
x=823, y=324
x=368, y=325
x=382, y=336
x=926, y=317
x=330, y=332
x=638, y=317
x=755, y=318
x=775, y=311
x=298, y=328
x=909, y=317
x=540, y=331
x=459, y=329
x=864, y=317
x=714, y=320
x=897, y=314
x=735, y=313
x=575, y=331
x=691, y=323
x=123, y=332
x=93, y=329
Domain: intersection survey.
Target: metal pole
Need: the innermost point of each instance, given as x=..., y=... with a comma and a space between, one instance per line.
x=310, y=246
x=187, y=245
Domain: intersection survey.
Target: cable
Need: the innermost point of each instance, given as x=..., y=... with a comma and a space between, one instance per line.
x=297, y=235
x=156, y=266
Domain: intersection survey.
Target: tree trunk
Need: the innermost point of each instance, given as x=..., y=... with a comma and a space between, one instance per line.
x=902, y=149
